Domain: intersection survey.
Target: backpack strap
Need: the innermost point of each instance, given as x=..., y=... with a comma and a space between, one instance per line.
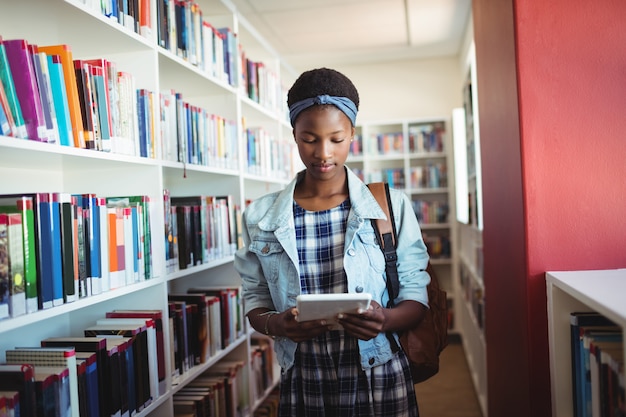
x=387, y=235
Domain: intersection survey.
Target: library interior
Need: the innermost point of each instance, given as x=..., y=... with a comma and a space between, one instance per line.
x=134, y=134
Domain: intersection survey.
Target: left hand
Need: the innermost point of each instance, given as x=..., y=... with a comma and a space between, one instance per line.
x=365, y=325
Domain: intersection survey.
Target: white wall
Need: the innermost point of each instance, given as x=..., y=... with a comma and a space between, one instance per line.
x=413, y=89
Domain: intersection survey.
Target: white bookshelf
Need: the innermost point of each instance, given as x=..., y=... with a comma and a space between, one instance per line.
x=371, y=161
x=569, y=291
x=27, y=166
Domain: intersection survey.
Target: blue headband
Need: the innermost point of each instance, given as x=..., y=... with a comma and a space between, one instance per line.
x=342, y=103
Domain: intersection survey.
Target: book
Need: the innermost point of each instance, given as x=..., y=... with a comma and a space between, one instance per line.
x=67, y=247
x=40, y=356
x=64, y=52
x=200, y=333
x=6, y=78
x=25, y=81
x=81, y=379
x=12, y=246
x=20, y=378
x=53, y=391
x=7, y=125
x=24, y=206
x=61, y=100
x=101, y=105
x=155, y=316
x=11, y=403
x=579, y=321
x=97, y=346
x=91, y=229
x=52, y=230
x=40, y=63
x=137, y=333
x=91, y=399
x=149, y=364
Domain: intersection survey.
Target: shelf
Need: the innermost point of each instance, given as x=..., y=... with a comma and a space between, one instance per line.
x=569, y=291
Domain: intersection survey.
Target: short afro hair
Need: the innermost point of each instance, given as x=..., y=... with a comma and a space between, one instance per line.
x=320, y=81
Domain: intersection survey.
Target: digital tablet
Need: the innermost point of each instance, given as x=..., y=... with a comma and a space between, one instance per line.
x=327, y=306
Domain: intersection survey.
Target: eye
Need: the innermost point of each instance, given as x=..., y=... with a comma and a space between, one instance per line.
x=338, y=140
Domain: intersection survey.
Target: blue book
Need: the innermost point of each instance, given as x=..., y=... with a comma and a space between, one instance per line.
x=59, y=95
x=56, y=252
x=142, y=121
x=582, y=320
x=92, y=240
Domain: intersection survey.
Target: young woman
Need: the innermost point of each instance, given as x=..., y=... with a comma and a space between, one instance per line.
x=316, y=236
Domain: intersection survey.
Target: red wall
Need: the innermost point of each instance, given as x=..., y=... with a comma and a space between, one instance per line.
x=552, y=101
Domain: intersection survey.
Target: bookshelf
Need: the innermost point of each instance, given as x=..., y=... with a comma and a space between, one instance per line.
x=27, y=166
x=571, y=291
x=415, y=155
x=468, y=222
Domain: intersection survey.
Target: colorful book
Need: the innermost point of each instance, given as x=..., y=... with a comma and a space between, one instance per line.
x=155, y=316
x=101, y=102
x=91, y=214
x=6, y=78
x=7, y=125
x=5, y=283
x=40, y=356
x=53, y=391
x=25, y=81
x=137, y=333
x=82, y=71
x=200, y=334
x=56, y=256
x=69, y=76
x=12, y=271
x=61, y=101
x=40, y=64
x=92, y=402
x=24, y=206
x=11, y=403
x=98, y=346
x=104, y=244
x=20, y=378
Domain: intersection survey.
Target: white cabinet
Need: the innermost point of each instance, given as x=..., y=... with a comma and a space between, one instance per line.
x=27, y=166
x=573, y=291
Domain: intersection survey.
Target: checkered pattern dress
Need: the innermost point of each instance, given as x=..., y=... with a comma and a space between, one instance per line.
x=327, y=379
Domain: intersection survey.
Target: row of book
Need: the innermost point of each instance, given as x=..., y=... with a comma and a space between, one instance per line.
x=183, y=30
x=205, y=320
x=262, y=362
x=431, y=175
x=199, y=229
x=134, y=15
x=597, y=352
x=192, y=135
x=266, y=155
x=58, y=247
x=427, y=138
x=473, y=294
x=386, y=144
x=392, y=176
x=219, y=391
x=118, y=365
x=431, y=211
x=438, y=245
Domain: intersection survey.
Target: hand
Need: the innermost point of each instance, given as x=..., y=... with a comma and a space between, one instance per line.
x=364, y=325
x=286, y=325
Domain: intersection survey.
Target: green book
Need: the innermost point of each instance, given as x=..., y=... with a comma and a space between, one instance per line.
x=12, y=222
x=7, y=81
x=24, y=205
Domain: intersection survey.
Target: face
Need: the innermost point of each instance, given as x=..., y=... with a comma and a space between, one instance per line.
x=323, y=135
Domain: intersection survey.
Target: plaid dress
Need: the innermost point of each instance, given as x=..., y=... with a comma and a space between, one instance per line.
x=327, y=379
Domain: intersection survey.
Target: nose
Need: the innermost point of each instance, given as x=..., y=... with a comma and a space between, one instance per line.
x=324, y=149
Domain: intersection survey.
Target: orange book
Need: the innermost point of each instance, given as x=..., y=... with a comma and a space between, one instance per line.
x=69, y=76
x=145, y=24
x=113, y=267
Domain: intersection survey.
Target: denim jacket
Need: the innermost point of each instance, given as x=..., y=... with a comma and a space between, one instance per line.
x=268, y=260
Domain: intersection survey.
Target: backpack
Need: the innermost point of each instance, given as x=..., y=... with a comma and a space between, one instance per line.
x=423, y=343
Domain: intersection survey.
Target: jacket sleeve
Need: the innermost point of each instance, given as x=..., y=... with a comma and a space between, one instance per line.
x=411, y=250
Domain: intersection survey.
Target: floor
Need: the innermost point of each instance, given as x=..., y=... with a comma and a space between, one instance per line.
x=450, y=393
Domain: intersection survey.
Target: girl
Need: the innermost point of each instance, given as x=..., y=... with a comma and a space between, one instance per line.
x=316, y=236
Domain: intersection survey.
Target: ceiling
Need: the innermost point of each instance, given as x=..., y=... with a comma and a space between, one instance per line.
x=308, y=33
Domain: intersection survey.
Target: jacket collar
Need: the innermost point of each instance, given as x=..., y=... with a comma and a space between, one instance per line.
x=280, y=213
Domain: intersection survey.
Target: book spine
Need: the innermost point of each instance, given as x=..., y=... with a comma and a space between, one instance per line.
x=57, y=259
x=67, y=244
x=9, y=87
x=60, y=98
x=104, y=245
x=25, y=82
x=25, y=207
